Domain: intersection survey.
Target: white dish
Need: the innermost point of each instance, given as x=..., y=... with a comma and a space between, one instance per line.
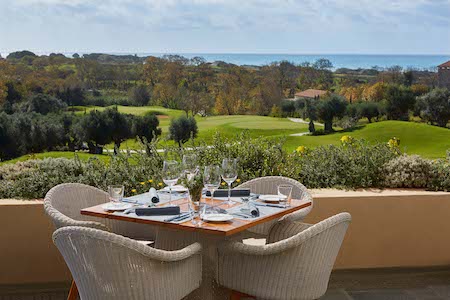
x=272, y=198
x=112, y=206
x=175, y=188
x=217, y=217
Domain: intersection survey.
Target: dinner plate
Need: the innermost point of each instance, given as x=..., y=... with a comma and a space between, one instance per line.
x=175, y=188
x=217, y=217
x=272, y=198
x=111, y=206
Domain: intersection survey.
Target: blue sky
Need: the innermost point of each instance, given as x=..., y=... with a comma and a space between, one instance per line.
x=227, y=26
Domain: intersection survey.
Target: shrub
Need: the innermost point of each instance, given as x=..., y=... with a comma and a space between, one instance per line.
x=407, y=171
x=350, y=165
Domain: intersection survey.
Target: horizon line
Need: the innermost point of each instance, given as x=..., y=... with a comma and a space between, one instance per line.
x=43, y=52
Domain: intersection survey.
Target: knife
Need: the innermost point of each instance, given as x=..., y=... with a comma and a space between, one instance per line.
x=270, y=205
x=179, y=217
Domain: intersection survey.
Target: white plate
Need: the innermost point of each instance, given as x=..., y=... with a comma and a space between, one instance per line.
x=271, y=198
x=111, y=206
x=217, y=217
x=175, y=188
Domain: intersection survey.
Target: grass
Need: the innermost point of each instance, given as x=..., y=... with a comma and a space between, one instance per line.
x=416, y=138
x=56, y=154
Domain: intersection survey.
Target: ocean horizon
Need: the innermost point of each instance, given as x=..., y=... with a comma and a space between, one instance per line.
x=351, y=61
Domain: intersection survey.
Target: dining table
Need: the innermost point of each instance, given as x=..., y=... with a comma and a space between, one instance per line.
x=174, y=235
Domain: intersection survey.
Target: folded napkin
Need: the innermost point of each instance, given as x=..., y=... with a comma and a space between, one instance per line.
x=158, y=211
x=153, y=195
x=251, y=210
x=234, y=193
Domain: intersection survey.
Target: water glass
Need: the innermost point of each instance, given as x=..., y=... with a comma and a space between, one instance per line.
x=116, y=193
x=285, y=191
x=229, y=174
x=170, y=174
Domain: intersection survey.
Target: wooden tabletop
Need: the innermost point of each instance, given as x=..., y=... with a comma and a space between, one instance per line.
x=224, y=229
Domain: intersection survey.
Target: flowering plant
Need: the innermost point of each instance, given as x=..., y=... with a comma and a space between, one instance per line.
x=194, y=183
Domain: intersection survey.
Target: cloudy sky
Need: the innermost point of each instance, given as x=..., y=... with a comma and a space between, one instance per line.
x=224, y=26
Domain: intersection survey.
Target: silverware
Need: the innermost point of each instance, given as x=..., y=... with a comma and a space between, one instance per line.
x=270, y=205
x=180, y=217
x=241, y=215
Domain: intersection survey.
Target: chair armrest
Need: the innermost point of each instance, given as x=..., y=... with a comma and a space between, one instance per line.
x=171, y=256
x=61, y=220
x=150, y=252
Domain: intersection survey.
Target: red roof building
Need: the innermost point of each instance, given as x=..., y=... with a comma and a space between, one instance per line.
x=444, y=75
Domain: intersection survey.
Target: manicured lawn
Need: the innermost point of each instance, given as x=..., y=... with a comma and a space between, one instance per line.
x=416, y=138
x=229, y=126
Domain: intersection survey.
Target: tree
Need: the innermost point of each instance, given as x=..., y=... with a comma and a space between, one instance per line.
x=139, y=95
x=20, y=54
x=323, y=64
x=100, y=128
x=44, y=104
x=399, y=100
x=435, y=107
x=182, y=129
x=369, y=110
x=146, y=127
x=329, y=108
x=118, y=126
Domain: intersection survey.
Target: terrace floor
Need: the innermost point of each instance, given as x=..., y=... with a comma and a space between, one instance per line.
x=385, y=284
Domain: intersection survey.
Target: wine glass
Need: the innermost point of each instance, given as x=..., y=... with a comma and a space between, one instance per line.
x=170, y=175
x=190, y=166
x=229, y=174
x=211, y=179
x=116, y=193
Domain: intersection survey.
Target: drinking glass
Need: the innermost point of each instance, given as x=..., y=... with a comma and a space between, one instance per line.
x=116, y=193
x=211, y=179
x=171, y=174
x=285, y=191
x=190, y=166
x=195, y=210
x=229, y=174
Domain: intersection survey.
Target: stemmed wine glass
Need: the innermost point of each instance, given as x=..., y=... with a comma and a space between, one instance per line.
x=211, y=179
x=190, y=166
x=229, y=174
x=171, y=174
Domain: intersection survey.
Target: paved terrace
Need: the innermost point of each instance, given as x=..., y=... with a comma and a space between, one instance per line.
x=385, y=284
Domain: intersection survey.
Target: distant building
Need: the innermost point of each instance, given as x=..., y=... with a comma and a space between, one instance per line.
x=311, y=94
x=444, y=75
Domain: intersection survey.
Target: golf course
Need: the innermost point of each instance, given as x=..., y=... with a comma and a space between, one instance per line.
x=416, y=138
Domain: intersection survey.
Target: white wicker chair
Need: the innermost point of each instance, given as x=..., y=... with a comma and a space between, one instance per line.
x=269, y=185
x=64, y=202
x=109, y=266
x=295, y=264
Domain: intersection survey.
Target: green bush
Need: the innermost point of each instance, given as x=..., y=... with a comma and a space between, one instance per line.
x=407, y=171
x=353, y=164
x=350, y=165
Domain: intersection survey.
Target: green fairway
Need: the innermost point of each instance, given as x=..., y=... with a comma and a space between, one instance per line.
x=229, y=126
x=416, y=138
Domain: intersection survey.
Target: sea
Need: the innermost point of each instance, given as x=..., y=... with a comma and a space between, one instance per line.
x=351, y=61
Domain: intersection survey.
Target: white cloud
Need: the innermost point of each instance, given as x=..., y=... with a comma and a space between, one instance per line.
x=262, y=22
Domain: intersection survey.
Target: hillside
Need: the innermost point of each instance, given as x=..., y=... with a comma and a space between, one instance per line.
x=416, y=138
